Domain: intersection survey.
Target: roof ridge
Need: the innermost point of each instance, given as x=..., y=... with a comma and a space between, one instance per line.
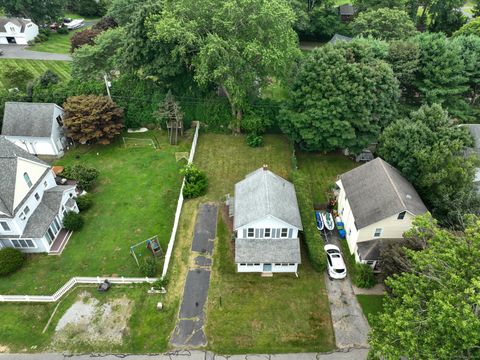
x=392, y=182
x=266, y=191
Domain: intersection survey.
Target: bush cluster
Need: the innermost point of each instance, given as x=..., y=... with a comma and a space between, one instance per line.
x=314, y=242
x=62, y=30
x=72, y=221
x=85, y=202
x=149, y=267
x=363, y=276
x=86, y=177
x=254, y=140
x=196, y=182
x=10, y=261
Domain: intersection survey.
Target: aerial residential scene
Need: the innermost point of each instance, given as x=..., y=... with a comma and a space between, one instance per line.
x=240, y=179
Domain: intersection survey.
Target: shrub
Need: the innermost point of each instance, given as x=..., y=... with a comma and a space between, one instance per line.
x=254, y=140
x=363, y=276
x=196, y=183
x=48, y=78
x=62, y=30
x=86, y=177
x=72, y=221
x=105, y=23
x=84, y=37
x=45, y=32
x=40, y=38
x=10, y=261
x=312, y=237
x=85, y=202
x=162, y=282
x=149, y=267
x=255, y=124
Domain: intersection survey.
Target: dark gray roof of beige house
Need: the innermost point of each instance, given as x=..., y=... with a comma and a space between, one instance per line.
x=267, y=251
x=263, y=193
x=376, y=190
x=28, y=119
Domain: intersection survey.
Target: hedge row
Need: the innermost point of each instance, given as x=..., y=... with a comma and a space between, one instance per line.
x=312, y=237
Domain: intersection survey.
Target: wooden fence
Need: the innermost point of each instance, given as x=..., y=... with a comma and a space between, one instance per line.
x=71, y=284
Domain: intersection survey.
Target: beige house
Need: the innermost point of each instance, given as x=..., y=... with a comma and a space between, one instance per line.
x=376, y=204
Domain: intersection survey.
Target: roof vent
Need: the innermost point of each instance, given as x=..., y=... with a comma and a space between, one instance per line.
x=409, y=197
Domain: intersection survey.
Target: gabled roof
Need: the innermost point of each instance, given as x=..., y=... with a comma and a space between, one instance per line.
x=338, y=37
x=376, y=190
x=267, y=251
x=9, y=155
x=22, y=23
x=263, y=193
x=28, y=119
x=346, y=9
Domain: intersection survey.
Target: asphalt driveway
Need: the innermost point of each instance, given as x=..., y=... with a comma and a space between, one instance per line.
x=20, y=52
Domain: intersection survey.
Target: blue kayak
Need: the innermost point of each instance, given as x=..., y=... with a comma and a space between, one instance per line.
x=318, y=218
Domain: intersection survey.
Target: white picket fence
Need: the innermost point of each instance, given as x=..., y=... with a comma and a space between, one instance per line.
x=173, y=235
x=72, y=283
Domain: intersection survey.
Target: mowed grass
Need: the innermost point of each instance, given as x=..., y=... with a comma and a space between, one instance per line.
x=371, y=304
x=323, y=170
x=38, y=67
x=247, y=313
x=135, y=199
x=56, y=43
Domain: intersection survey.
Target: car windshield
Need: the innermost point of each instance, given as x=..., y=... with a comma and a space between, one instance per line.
x=336, y=256
x=332, y=251
x=340, y=271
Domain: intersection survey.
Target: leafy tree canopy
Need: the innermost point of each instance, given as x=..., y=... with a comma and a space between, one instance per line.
x=470, y=53
x=443, y=15
x=236, y=44
x=14, y=76
x=404, y=56
x=387, y=24
x=470, y=28
x=433, y=310
x=335, y=102
x=123, y=11
x=41, y=12
x=367, y=5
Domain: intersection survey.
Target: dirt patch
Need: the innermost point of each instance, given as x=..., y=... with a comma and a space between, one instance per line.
x=4, y=349
x=89, y=321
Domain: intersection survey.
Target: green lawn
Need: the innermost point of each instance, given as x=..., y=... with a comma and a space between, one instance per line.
x=135, y=199
x=371, y=304
x=248, y=313
x=38, y=67
x=56, y=43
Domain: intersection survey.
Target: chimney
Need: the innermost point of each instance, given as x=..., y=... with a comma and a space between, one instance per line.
x=265, y=167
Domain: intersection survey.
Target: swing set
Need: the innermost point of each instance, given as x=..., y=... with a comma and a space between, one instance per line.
x=151, y=244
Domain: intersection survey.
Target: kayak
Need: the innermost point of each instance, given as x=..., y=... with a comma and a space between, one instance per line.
x=318, y=218
x=328, y=220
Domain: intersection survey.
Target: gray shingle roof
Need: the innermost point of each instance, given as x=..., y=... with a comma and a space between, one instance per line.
x=267, y=251
x=263, y=193
x=376, y=190
x=346, y=9
x=370, y=250
x=9, y=154
x=17, y=21
x=28, y=119
x=338, y=37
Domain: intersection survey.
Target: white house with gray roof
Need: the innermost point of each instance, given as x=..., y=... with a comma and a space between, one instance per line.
x=17, y=31
x=35, y=127
x=376, y=204
x=266, y=222
x=474, y=130
x=32, y=205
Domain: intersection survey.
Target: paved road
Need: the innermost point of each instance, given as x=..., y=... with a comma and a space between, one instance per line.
x=355, y=354
x=189, y=331
x=19, y=52
x=349, y=324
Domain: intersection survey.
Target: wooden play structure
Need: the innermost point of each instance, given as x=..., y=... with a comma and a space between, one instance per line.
x=170, y=111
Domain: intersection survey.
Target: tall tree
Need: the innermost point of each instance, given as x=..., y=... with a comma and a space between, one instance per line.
x=443, y=15
x=441, y=74
x=428, y=149
x=367, y=5
x=433, y=311
x=236, y=44
x=92, y=119
x=386, y=24
x=41, y=12
x=470, y=53
x=335, y=102
x=403, y=56
x=470, y=28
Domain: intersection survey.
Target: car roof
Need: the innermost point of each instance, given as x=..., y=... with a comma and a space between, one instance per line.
x=337, y=261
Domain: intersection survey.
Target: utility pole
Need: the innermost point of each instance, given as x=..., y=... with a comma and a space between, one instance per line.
x=108, y=84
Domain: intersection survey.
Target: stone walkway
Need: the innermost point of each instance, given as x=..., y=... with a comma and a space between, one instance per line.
x=189, y=331
x=20, y=52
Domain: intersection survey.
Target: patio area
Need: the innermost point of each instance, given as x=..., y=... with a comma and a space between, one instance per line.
x=60, y=242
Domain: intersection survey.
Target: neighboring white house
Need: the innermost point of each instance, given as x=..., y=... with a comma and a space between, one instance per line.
x=474, y=130
x=35, y=127
x=376, y=204
x=266, y=223
x=32, y=205
x=17, y=31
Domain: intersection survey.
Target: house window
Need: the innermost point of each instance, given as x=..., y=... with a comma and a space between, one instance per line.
x=23, y=244
x=45, y=183
x=268, y=233
x=37, y=197
x=26, y=210
x=256, y=264
x=349, y=232
x=250, y=232
x=27, y=180
x=59, y=120
x=242, y=264
x=378, y=232
x=284, y=232
x=401, y=216
x=5, y=226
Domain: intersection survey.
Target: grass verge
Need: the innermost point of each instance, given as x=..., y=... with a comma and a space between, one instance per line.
x=371, y=304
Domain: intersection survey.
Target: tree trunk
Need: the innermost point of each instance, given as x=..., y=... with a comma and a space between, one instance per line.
x=237, y=113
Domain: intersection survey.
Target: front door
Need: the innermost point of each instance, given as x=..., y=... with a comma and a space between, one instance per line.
x=267, y=267
x=11, y=40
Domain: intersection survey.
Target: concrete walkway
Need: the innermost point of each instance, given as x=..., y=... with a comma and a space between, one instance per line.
x=354, y=354
x=20, y=52
x=378, y=289
x=189, y=331
x=349, y=323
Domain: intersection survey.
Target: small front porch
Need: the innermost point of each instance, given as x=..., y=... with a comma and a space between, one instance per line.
x=60, y=242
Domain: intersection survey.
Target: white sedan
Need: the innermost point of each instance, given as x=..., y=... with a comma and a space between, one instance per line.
x=335, y=265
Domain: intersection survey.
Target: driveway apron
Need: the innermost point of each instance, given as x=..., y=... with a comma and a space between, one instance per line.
x=189, y=331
